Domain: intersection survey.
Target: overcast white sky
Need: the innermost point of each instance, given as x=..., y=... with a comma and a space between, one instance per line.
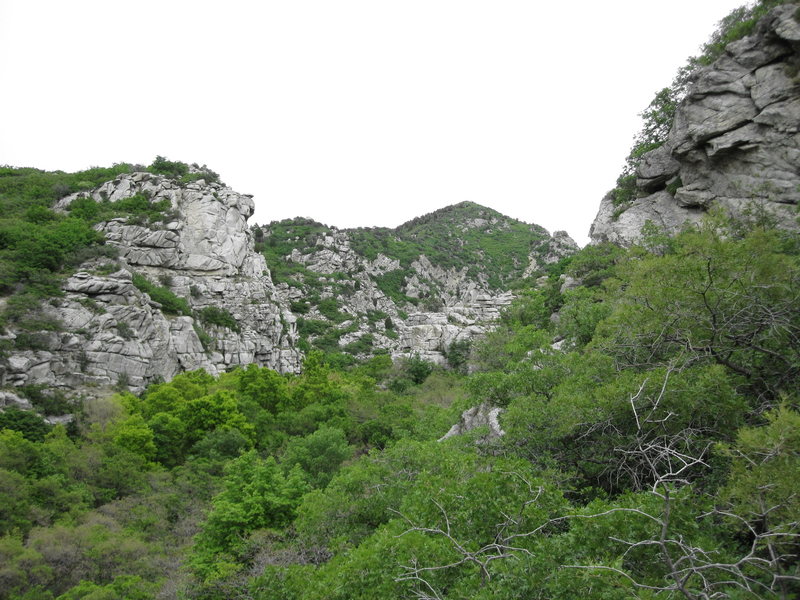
x=354, y=113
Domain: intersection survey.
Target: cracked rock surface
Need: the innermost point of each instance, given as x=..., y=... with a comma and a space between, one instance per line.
x=734, y=143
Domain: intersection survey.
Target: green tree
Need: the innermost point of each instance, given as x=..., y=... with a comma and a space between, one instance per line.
x=216, y=410
x=256, y=494
x=735, y=302
x=319, y=454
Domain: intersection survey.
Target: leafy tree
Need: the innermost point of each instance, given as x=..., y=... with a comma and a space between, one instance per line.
x=256, y=494
x=207, y=413
x=29, y=424
x=134, y=435
x=319, y=454
x=124, y=587
x=733, y=302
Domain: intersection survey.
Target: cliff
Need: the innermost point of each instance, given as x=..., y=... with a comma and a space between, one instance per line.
x=112, y=331
x=734, y=142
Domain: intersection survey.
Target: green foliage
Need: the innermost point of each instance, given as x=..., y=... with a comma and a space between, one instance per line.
x=124, y=587
x=459, y=237
x=170, y=303
x=173, y=169
x=48, y=401
x=29, y=424
x=362, y=345
x=457, y=355
x=255, y=494
x=392, y=283
x=21, y=188
x=417, y=369
x=729, y=301
x=319, y=454
x=138, y=209
x=762, y=483
x=330, y=310
x=214, y=315
x=739, y=23
x=595, y=263
x=676, y=373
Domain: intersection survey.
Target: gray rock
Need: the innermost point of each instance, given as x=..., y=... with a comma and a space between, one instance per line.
x=735, y=141
x=116, y=332
x=483, y=415
x=657, y=167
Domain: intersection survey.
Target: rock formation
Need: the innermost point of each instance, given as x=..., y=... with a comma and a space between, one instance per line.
x=114, y=333
x=434, y=306
x=483, y=415
x=225, y=310
x=734, y=142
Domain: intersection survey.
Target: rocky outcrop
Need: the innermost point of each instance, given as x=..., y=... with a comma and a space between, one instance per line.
x=189, y=291
x=549, y=252
x=483, y=415
x=435, y=307
x=734, y=142
x=463, y=307
x=113, y=333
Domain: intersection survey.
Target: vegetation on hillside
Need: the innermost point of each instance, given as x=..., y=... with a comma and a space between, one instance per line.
x=462, y=236
x=652, y=452
x=465, y=238
x=655, y=456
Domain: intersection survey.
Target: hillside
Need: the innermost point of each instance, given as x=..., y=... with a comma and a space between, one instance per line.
x=439, y=279
x=121, y=277
x=627, y=427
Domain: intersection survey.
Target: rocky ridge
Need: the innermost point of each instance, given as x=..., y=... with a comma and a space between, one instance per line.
x=115, y=333
x=734, y=142
x=202, y=255
x=429, y=307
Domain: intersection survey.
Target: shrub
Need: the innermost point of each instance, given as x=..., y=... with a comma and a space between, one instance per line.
x=124, y=330
x=214, y=315
x=173, y=169
x=330, y=310
x=362, y=345
x=47, y=401
x=170, y=303
x=29, y=424
x=205, y=339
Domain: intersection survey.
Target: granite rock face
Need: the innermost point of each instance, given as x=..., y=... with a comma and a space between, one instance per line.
x=734, y=142
x=115, y=334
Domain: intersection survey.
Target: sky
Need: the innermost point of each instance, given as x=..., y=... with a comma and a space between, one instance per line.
x=353, y=113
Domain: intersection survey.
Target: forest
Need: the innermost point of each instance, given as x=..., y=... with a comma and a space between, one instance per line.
x=653, y=455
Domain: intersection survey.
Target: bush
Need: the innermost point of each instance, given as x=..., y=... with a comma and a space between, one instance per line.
x=49, y=402
x=170, y=303
x=29, y=424
x=214, y=315
x=362, y=345
x=173, y=169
